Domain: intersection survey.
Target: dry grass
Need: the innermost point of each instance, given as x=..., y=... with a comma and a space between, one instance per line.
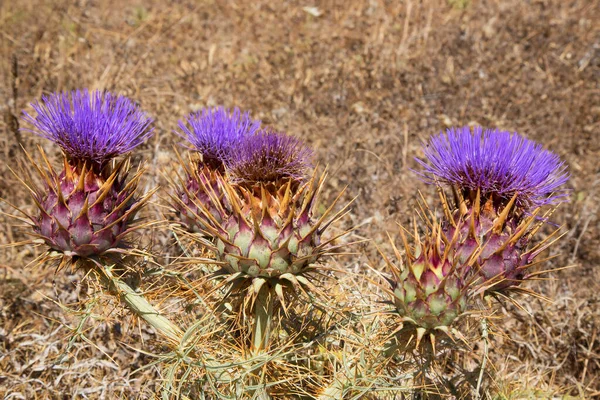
x=364, y=82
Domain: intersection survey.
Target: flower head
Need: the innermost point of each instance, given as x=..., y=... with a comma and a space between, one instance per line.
x=497, y=163
x=270, y=157
x=215, y=131
x=91, y=127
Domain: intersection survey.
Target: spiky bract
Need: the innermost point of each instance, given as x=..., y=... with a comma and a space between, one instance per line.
x=91, y=127
x=270, y=234
x=83, y=213
x=432, y=288
x=496, y=241
x=216, y=132
x=496, y=163
x=269, y=157
x=267, y=242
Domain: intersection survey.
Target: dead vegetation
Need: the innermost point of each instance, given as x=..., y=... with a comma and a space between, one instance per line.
x=364, y=82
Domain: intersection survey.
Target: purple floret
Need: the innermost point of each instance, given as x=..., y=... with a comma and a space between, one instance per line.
x=497, y=163
x=270, y=157
x=93, y=127
x=215, y=132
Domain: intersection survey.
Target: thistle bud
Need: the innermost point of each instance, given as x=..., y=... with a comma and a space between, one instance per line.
x=271, y=230
x=431, y=287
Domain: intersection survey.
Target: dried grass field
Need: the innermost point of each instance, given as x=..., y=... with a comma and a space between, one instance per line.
x=365, y=83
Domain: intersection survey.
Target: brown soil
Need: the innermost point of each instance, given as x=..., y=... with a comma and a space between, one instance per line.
x=364, y=82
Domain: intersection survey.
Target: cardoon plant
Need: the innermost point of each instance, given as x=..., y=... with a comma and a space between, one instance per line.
x=501, y=183
x=212, y=135
x=87, y=209
x=267, y=236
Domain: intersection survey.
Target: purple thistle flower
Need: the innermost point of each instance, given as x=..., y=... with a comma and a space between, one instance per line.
x=270, y=157
x=497, y=163
x=215, y=131
x=93, y=127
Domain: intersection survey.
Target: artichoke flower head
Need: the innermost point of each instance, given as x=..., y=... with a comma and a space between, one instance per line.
x=211, y=135
x=501, y=183
x=86, y=209
x=267, y=229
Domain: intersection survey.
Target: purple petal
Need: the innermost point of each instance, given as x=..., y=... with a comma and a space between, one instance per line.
x=214, y=132
x=95, y=127
x=495, y=162
x=269, y=157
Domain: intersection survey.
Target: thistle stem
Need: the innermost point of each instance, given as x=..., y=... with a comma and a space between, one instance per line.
x=263, y=317
x=484, y=336
x=336, y=389
x=137, y=303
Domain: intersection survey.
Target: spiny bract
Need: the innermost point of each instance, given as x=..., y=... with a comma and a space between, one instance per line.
x=431, y=290
x=270, y=234
x=267, y=226
x=85, y=214
x=197, y=192
x=500, y=244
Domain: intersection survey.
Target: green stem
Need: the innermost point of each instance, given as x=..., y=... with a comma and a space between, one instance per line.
x=263, y=317
x=139, y=305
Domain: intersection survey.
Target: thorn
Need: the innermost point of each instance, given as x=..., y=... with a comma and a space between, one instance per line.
x=477, y=207
x=81, y=183
x=445, y=205
x=420, y=333
x=462, y=204
x=279, y=292
x=257, y=284
x=499, y=222
x=68, y=171
x=544, y=218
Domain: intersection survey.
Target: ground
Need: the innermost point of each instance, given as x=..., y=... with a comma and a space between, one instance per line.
x=364, y=83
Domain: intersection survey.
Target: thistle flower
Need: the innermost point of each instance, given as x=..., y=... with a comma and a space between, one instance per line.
x=269, y=157
x=269, y=229
x=500, y=182
x=91, y=127
x=215, y=132
x=87, y=209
